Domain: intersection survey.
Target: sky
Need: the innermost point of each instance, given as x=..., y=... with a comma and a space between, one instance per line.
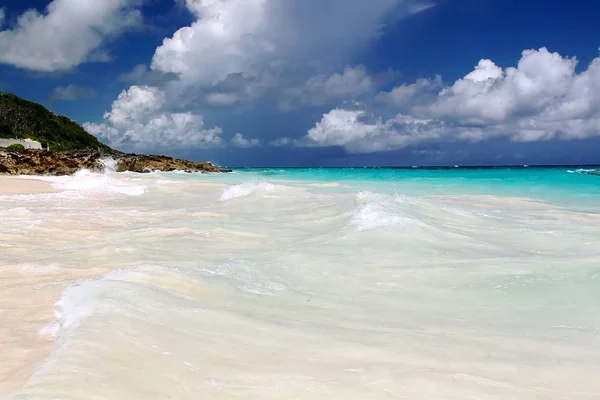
x=317, y=82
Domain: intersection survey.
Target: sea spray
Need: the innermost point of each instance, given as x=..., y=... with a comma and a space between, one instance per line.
x=99, y=183
x=109, y=164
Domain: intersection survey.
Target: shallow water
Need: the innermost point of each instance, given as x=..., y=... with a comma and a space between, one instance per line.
x=337, y=284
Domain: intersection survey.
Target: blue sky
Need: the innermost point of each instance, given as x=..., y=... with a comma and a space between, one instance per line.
x=317, y=82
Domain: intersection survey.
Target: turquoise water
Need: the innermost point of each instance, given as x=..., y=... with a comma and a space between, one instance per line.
x=567, y=186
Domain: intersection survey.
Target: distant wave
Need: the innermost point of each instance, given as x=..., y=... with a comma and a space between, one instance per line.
x=582, y=171
x=326, y=185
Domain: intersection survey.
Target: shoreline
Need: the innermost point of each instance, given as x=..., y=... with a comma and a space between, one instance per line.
x=27, y=297
x=17, y=185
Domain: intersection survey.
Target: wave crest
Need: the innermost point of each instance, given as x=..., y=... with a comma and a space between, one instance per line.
x=88, y=181
x=378, y=210
x=248, y=188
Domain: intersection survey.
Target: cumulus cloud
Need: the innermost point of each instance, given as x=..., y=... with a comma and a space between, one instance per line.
x=541, y=98
x=137, y=74
x=239, y=140
x=352, y=130
x=142, y=75
x=250, y=36
x=240, y=51
x=407, y=96
x=320, y=89
x=138, y=120
x=490, y=93
x=282, y=142
x=72, y=92
x=67, y=34
x=222, y=98
x=222, y=41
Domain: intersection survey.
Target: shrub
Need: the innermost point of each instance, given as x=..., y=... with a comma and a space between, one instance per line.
x=20, y=119
x=16, y=147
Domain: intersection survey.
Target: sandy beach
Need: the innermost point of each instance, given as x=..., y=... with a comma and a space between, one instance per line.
x=27, y=296
x=184, y=286
x=10, y=185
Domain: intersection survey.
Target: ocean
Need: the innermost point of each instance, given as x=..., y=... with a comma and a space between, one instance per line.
x=275, y=283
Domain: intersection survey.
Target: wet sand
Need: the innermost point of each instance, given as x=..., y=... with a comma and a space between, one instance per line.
x=10, y=185
x=27, y=295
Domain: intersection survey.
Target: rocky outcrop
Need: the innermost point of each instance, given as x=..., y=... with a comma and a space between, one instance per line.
x=70, y=147
x=40, y=162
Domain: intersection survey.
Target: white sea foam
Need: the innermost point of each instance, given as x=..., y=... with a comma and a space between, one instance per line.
x=19, y=212
x=247, y=278
x=248, y=188
x=87, y=181
x=378, y=210
x=109, y=163
x=77, y=303
x=326, y=185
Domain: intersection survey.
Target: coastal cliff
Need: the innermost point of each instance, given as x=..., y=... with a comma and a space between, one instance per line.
x=69, y=147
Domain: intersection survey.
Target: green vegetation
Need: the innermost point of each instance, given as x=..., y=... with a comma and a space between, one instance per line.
x=22, y=119
x=16, y=147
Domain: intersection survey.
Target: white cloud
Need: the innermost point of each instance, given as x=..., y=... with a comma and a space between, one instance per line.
x=240, y=141
x=251, y=36
x=491, y=94
x=2, y=16
x=72, y=92
x=222, y=99
x=282, y=142
x=138, y=73
x=542, y=98
x=410, y=95
x=68, y=33
x=351, y=130
x=318, y=90
x=137, y=120
x=238, y=51
x=223, y=40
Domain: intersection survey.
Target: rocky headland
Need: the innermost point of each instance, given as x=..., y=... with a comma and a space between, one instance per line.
x=68, y=147
x=41, y=162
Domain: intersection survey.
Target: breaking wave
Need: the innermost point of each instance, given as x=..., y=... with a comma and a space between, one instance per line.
x=248, y=188
x=378, y=210
x=108, y=182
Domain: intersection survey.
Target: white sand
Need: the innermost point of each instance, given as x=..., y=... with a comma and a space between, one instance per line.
x=26, y=299
x=27, y=296
x=11, y=185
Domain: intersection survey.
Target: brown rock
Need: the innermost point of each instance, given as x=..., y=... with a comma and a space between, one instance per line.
x=40, y=162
